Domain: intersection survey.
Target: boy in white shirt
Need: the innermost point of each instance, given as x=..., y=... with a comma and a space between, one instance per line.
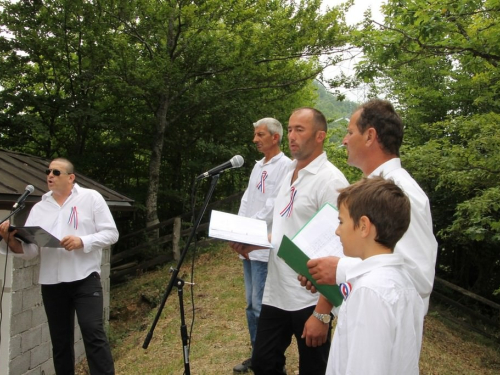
x=380, y=324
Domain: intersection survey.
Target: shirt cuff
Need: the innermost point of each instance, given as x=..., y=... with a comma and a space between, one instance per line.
x=343, y=266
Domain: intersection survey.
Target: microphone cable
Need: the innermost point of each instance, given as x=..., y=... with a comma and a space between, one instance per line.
x=3, y=285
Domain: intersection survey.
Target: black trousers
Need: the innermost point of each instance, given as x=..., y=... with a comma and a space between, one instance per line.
x=85, y=297
x=274, y=336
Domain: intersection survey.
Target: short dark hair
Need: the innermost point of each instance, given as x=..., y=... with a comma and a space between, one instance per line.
x=319, y=118
x=381, y=115
x=383, y=202
x=70, y=168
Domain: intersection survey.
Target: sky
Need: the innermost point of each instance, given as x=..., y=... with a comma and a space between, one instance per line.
x=356, y=11
x=353, y=16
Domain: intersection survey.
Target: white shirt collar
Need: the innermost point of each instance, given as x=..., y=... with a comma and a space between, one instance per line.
x=387, y=167
x=75, y=190
x=374, y=262
x=274, y=159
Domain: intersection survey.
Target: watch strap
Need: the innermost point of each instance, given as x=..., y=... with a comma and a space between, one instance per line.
x=324, y=318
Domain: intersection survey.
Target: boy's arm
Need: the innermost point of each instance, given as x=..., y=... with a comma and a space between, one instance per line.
x=368, y=333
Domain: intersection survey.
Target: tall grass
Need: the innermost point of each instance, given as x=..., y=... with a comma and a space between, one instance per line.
x=220, y=337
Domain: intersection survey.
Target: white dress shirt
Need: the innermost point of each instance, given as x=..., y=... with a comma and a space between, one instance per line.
x=380, y=325
x=258, y=200
x=418, y=246
x=317, y=183
x=84, y=214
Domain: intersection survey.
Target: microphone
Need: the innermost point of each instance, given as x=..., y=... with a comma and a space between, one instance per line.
x=29, y=189
x=235, y=162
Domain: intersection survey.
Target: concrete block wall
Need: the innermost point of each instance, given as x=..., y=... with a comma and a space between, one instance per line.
x=25, y=346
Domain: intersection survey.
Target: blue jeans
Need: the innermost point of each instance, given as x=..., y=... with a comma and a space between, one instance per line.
x=255, y=273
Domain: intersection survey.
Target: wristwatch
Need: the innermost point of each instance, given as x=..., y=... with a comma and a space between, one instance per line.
x=323, y=318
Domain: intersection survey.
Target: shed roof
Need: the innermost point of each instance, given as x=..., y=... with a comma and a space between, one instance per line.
x=17, y=170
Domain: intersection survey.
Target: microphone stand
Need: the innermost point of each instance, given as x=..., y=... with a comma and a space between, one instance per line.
x=13, y=212
x=180, y=283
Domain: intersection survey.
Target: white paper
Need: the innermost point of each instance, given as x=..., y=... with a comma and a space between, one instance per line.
x=237, y=228
x=317, y=238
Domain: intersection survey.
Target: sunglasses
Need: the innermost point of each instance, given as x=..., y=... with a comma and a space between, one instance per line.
x=55, y=172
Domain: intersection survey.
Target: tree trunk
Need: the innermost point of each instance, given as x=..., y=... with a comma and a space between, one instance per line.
x=154, y=168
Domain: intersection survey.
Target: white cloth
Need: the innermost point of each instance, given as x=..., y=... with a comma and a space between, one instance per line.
x=258, y=200
x=317, y=184
x=418, y=246
x=84, y=214
x=380, y=325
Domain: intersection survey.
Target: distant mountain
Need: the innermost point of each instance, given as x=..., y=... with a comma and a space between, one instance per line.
x=336, y=112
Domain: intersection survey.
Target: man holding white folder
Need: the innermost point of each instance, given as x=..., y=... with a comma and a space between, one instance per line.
x=258, y=203
x=288, y=309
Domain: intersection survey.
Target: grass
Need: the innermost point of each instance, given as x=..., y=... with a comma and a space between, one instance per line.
x=220, y=337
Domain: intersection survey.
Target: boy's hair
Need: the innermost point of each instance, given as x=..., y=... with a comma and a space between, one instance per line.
x=383, y=202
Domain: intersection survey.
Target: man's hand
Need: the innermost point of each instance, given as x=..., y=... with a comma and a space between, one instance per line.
x=243, y=249
x=14, y=244
x=306, y=283
x=323, y=270
x=4, y=230
x=71, y=243
x=315, y=332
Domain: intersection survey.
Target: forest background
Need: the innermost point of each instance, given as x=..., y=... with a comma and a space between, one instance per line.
x=143, y=95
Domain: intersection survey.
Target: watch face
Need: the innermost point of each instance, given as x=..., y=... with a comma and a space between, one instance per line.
x=325, y=318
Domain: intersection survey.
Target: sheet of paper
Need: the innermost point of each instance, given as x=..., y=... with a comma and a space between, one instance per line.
x=317, y=238
x=237, y=228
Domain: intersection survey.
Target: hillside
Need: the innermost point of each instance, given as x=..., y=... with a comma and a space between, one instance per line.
x=220, y=338
x=335, y=111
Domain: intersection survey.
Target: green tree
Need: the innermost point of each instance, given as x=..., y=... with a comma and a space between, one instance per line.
x=144, y=95
x=51, y=59
x=193, y=60
x=438, y=61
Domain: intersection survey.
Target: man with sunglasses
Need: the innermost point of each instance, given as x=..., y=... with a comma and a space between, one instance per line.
x=70, y=275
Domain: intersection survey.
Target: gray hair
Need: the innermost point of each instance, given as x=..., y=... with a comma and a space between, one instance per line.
x=273, y=125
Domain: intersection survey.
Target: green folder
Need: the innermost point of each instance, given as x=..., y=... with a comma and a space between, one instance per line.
x=297, y=260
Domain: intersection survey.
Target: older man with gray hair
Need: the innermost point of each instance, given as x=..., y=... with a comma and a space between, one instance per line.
x=258, y=203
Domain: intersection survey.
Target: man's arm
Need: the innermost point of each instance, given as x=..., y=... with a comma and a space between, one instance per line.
x=9, y=238
x=18, y=248
x=106, y=232
x=324, y=270
x=316, y=332
x=327, y=271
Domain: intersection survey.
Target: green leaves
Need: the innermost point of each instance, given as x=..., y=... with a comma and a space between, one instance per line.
x=439, y=62
x=156, y=90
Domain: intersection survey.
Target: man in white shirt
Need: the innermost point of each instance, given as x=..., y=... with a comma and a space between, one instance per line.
x=70, y=275
x=258, y=203
x=288, y=309
x=374, y=136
